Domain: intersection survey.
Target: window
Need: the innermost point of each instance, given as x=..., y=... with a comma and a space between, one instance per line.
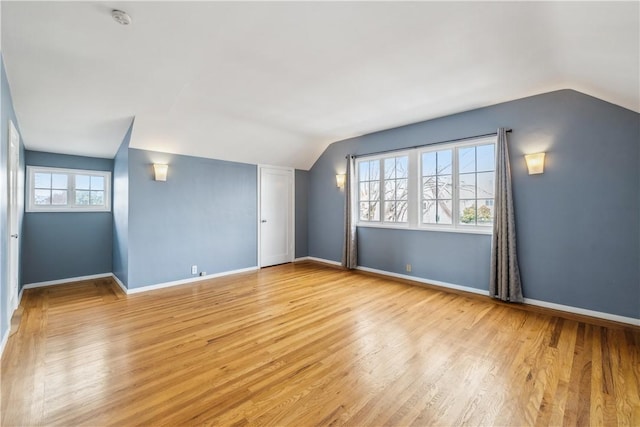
x=391, y=174
x=67, y=190
x=445, y=187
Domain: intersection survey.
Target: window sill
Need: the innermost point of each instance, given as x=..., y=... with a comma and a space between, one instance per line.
x=462, y=230
x=67, y=210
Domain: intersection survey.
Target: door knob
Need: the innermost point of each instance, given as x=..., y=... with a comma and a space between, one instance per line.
x=14, y=236
x=264, y=220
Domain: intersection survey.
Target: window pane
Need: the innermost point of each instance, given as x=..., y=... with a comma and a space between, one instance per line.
x=97, y=198
x=486, y=157
x=444, y=212
x=429, y=212
x=389, y=211
x=374, y=211
x=467, y=159
x=389, y=168
x=428, y=164
x=42, y=180
x=363, y=175
x=59, y=181
x=59, y=197
x=82, y=197
x=401, y=189
x=389, y=190
x=374, y=190
x=97, y=183
x=429, y=187
x=468, y=212
x=485, y=212
x=485, y=185
x=364, y=191
x=402, y=167
x=374, y=170
x=42, y=197
x=401, y=211
x=83, y=183
x=364, y=211
x=467, y=185
x=444, y=187
x=444, y=162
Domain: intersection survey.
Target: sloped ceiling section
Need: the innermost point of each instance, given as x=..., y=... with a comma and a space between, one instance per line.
x=275, y=83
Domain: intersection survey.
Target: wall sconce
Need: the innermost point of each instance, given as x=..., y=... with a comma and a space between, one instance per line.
x=535, y=163
x=160, y=171
x=341, y=178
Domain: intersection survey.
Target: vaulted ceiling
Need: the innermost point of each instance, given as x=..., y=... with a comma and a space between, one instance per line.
x=275, y=83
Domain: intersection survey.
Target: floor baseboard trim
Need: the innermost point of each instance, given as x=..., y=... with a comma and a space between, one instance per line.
x=187, y=281
x=302, y=258
x=583, y=311
x=119, y=283
x=64, y=281
x=324, y=261
x=420, y=280
x=544, y=304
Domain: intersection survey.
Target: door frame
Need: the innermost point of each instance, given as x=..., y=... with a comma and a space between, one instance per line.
x=13, y=214
x=260, y=167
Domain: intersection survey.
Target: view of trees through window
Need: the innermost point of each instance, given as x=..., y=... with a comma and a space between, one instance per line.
x=456, y=186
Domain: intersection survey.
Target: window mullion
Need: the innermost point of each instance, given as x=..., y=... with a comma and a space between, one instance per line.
x=72, y=190
x=455, y=202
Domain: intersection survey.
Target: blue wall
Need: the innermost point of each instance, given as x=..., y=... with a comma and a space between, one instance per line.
x=6, y=113
x=577, y=224
x=204, y=214
x=62, y=245
x=302, y=226
x=121, y=210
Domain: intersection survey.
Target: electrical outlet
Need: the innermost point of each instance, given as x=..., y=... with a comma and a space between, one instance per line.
x=409, y=268
x=203, y=273
x=194, y=269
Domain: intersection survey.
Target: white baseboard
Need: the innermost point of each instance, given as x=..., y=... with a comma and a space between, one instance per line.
x=324, y=261
x=63, y=281
x=584, y=311
x=119, y=283
x=303, y=258
x=425, y=281
x=545, y=304
x=190, y=280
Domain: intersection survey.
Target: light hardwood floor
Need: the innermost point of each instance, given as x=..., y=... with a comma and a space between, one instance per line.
x=304, y=344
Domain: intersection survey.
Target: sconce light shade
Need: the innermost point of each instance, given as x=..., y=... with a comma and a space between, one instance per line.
x=341, y=178
x=535, y=163
x=160, y=171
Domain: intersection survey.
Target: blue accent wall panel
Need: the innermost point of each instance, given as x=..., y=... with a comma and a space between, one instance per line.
x=205, y=214
x=121, y=210
x=302, y=190
x=578, y=223
x=63, y=245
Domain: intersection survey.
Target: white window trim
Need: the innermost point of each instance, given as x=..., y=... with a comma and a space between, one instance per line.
x=72, y=207
x=415, y=199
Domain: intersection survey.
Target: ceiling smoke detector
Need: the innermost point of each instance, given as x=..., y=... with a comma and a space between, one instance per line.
x=121, y=17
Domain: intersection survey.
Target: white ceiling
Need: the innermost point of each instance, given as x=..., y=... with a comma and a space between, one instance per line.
x=275, y=83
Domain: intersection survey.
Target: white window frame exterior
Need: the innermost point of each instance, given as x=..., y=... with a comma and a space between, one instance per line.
x=415, y=194
x=71, y=190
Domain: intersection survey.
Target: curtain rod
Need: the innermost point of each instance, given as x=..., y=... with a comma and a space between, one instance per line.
x=425, y=145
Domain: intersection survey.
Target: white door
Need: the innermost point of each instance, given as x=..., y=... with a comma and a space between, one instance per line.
x=276, y=222
x=14, y=205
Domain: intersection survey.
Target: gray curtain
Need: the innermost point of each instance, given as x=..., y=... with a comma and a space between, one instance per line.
x=504, y=281
x=350, y=247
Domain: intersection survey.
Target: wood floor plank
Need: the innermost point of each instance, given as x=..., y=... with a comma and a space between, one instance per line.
x=305, y=344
